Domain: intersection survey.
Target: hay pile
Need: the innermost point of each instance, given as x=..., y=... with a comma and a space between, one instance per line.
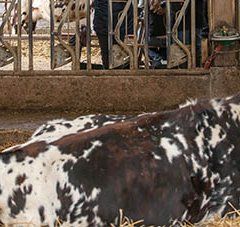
x=226, y=221
x=127, y=222
x=9, y=138
x=231, y=219
x=41, y=49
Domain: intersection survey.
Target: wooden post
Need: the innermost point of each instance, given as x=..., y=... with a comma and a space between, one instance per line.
x=223, y=11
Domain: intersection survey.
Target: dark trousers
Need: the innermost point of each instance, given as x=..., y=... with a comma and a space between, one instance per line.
x=103, y=43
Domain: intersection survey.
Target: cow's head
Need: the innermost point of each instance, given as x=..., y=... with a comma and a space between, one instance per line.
x=24, y=21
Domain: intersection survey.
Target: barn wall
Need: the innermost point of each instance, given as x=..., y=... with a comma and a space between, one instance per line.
x=116, y=92
x=222, y=11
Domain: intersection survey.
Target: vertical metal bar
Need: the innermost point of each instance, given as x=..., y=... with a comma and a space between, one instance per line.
x=184, y=29
x=238, y=15
x=77, y=43
x=126, y=26
x=59, y=33
x=52, y=32
x=135, y=30
x=117, y=33
x=210, y=15
x=237, y=24
x=89, y=65
x=146, y=34
x=193, y=32
x=168, y=32
x=174, y=32
x=68, y=26
x=19, y=33
x=110, y=34
x=30, y=36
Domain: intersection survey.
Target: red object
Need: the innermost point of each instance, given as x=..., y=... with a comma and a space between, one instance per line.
x=211, y=58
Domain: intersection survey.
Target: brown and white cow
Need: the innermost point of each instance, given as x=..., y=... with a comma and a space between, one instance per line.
x=166, y=167
x=41, y=11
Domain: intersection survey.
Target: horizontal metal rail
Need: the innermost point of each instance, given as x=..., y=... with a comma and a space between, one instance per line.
x=44, y=37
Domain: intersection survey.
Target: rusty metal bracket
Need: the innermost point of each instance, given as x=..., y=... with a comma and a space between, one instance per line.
x=136, y=45
x=173, y=34
x=62, y=53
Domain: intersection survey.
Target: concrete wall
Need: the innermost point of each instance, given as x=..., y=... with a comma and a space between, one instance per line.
x=112, y=91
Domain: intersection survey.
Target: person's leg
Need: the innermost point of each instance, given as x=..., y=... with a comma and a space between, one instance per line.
x=198, y=47
x=100, y=23
x=156, y=58
x=103, y=43
x=156, y=29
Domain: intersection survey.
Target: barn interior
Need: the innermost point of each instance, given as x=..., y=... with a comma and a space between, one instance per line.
x=43, y=76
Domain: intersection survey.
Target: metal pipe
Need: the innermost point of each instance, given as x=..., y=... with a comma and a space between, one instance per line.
x=174, y=32
x=89, y=65
x=238, y=26
x=193, y=32
x=19, y=33
x=238, y=14
x=59, y=31
x=110, y=34
x=168, y=32
x=117, y=33
x=77, y=42
x=135, y=31
x=52, y=32
x=210, y=15
x=184, y=29
x=37, y=36
x=30, y=36
x=146, y=34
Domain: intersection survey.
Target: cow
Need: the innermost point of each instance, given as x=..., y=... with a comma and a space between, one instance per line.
x=162, y=167
x=54, y=130
x=41, y=11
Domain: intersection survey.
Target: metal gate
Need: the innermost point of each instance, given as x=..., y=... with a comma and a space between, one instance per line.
x=135, y=46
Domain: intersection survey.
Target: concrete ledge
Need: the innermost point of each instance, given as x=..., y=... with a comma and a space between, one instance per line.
x=224, y=82
x=112, y=91
x=105, y=92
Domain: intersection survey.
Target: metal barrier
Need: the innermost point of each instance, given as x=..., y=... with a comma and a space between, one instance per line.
x=172, y=33
x=135, y=46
